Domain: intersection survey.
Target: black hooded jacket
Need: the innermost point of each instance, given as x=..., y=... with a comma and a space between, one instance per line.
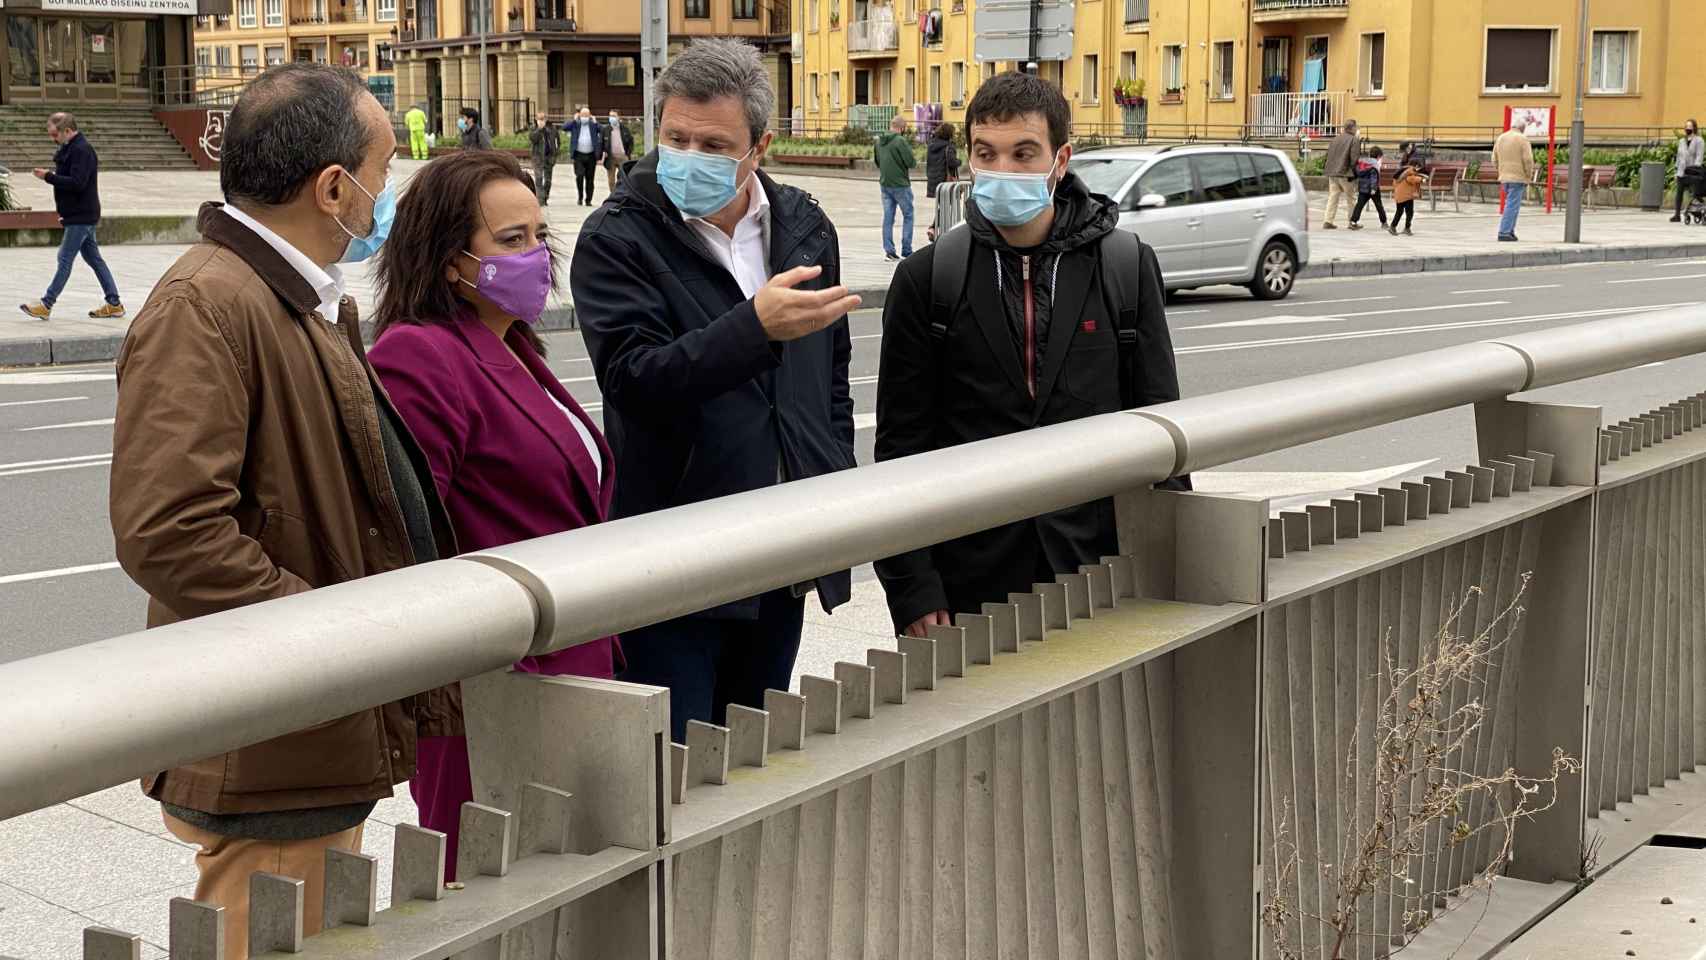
x=698, y=402
x=971, y=385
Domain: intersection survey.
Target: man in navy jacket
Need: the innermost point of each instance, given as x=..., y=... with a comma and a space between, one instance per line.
x=710, y=299
x=79, y=204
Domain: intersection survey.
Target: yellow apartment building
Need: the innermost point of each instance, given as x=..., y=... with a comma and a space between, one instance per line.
x=555, y=55
x=361, y=34
x=1286, y=67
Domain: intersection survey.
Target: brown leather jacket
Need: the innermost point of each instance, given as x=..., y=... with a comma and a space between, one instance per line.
x=247, y=465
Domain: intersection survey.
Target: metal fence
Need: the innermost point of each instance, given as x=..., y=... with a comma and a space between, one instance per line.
x=1087, y=769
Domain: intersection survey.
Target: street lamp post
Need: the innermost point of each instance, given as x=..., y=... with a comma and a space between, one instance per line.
x=1578, y=134
x=485, y=21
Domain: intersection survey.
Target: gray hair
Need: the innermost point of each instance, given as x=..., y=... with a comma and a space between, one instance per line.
x=721, y=67
x=291, y=122
x=63, y=121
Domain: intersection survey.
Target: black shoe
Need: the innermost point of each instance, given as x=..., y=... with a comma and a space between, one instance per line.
x=890, y=257
x=1676, y=219
x=1507, y=238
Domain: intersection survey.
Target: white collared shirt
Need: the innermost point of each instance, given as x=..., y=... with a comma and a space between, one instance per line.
x=328, y=282
x=746, y=255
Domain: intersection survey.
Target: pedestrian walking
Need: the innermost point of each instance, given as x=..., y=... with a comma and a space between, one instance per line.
x=1406, y=187
x=1368, y=187
x=893, y=154
x=461, y=284
x=585, y=143
x=242, y=471
x=416, y=121
x=1341, y=172
x=1514, y=156
x=77, y=198
x=544, y=141
x=941, y=159
x=474, y=134
x=1038, y=310
x=1690, y=165
x=711, y=301
x=617, y=146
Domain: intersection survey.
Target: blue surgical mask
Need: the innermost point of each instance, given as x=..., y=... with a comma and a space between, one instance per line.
x=384, y=209
x=699, y=184
x=1011, y=199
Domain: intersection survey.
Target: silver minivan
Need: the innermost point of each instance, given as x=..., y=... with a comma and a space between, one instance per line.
x=1215, y=213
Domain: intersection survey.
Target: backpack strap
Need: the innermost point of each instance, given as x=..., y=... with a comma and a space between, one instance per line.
x=1122, y=265
x=949, y=264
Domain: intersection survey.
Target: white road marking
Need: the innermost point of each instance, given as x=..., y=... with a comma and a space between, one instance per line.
x=23, y=467
x=1680, y=276
x=864, y=421
x=1313, y=303
x=1186, y=313
x=46, y=378
x=40, y=463
x=1537, y=286
x=61, y=572
x=31, y=403
x=1337, y=317
x=63, y=466
x=66, y=426
x=1421, y=328
x=576, y=379
x=860, y=381
x=867, y=336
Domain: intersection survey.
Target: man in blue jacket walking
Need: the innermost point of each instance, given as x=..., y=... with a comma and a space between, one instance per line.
x=79, y=204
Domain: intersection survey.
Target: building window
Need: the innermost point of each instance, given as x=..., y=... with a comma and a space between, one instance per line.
x=203, y=57
x=249, y=56
x=273, y=10
x=988, y=69
x=427, y=26
x=1520, y=59
x=746, y=9
x=936, y=84
x=222, y=58
x=1225, y=69
x=245, y=13
x=1173, y=71
x=696, y=9
x=812, y=17
x=275, y=56
x=1613, y=52
x=387, y=10
x=1092, y=78
x=475, y=11
x=835, y=89
x=1128, y=65
x=1372, y=82
x=911, y=86
x=1136, y=11
x=383, y=58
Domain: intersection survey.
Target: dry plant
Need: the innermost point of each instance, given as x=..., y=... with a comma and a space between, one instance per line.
x=1425, y=736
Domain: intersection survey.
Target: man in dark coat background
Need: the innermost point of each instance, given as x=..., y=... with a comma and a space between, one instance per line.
x=1033, y=339
x=710, y=299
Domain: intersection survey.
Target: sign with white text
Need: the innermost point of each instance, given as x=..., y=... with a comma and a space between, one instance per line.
x=180, y=7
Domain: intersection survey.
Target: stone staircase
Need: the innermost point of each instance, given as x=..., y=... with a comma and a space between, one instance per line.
x=126, y=138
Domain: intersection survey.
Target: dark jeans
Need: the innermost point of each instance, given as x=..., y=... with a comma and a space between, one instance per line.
x=80, y=239
x=708, y=664
x=542, y=170
x=1362, y=201
x=585, y=165
x=1692, y=185
x=1406, y=213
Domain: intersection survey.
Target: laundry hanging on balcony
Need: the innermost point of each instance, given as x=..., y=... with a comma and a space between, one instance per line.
x=1315, y=111
x=930, y=25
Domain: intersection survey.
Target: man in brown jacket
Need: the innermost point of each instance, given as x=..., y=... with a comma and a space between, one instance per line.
x=256, y=456
x=1340, y=169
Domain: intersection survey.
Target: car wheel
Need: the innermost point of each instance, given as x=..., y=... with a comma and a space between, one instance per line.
x=1276, y=272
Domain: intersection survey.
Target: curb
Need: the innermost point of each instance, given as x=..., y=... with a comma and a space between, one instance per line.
x=1390, y=266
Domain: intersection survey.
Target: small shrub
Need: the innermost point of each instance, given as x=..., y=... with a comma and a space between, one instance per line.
x=6, y=193
x=855, y=137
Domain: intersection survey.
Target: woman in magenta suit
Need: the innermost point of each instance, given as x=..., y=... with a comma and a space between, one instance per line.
x=462, y=280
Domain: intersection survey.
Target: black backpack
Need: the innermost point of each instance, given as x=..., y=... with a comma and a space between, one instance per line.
x=1121, y=264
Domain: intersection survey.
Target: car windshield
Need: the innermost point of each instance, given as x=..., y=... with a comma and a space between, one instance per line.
x=1104, y=175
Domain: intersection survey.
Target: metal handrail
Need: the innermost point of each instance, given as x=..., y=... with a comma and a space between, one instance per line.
x=84, y=718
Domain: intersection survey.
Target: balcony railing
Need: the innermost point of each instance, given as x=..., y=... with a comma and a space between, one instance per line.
x=1298, y=114
x=873, y=36
x=1299, y=9
x=328, y=17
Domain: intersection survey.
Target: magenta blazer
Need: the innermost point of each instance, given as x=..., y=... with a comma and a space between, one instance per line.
x=507, y=465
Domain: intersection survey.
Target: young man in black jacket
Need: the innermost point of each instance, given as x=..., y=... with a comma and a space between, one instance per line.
x=711, y=301
x=77, y=198
x=1034, y=312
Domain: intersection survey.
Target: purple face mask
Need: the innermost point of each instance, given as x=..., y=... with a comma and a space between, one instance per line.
x=516, y=283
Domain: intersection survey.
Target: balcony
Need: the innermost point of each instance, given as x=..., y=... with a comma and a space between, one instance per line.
x=1298, y=115
x=321, y=17
x=871, y=39
x=1276, y=11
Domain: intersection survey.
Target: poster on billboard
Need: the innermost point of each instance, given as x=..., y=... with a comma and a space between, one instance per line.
x=180, y=7
x=1537, y=124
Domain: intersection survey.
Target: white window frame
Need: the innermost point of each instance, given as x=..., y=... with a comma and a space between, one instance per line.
x=387, y=11
x=1365, y=64
x=204, y=56
x=957, y=82
x=245, y=13
x=222, y=56
x=244, y=63
x=1223, y=88
x=1551, y=63
x=273, y=12
x=269, y=60
x=1091, y=90
x=1631, y=62
x=835, y=89
x=1173, y=68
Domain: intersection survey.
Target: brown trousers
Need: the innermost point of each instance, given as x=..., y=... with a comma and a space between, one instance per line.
x=225, y=864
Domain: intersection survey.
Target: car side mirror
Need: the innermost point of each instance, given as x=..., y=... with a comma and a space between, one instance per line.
x=1150, y=201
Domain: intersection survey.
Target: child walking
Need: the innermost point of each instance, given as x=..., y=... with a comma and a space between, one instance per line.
x=1406, y=187
x=1368, y=187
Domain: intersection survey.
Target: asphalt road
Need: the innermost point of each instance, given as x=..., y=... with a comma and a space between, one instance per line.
x=59, y=587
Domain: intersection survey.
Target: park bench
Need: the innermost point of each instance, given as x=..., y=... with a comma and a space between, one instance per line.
x=812, y=160
x=1440, y=177
x=1597, y=178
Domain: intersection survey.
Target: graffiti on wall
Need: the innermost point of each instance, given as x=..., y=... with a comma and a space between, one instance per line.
x=213, y=134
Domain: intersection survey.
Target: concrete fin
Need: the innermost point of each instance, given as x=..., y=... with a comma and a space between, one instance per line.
x=1543, y=463
x=1297, y=538
x=275, y=914
x=787, y=719
x=749, y=736
x=417, y=864
x=1101, y=585
x=1079, y=602
x=105, y=943
x=951, y=656
x=858, y=690
x=707, y=753
x=823, y=704
x=1323, y=524
x=890, y=672
x=351, y=894
x=1056, y=614
x=1030, y=615
x=1347, y=515
x=196, y=930
x=483, y=848
x=678, y=756
x=979, y=637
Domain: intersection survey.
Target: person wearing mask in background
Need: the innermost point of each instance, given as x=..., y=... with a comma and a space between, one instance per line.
x=474, y=135
x=462, y=283
x=1690, y=157
x=711, y=302
x=941, y=159
x=243, y=471
x=544, y=142
x=617, y=146
x=585, y=142
x=893, y=154
x=416, y=121
x=77, y=199
x=1037, y=310
x=1340, y=170
x=1514, y=156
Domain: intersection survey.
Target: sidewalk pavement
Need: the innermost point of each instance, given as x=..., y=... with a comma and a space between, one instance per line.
x=1446, y=240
